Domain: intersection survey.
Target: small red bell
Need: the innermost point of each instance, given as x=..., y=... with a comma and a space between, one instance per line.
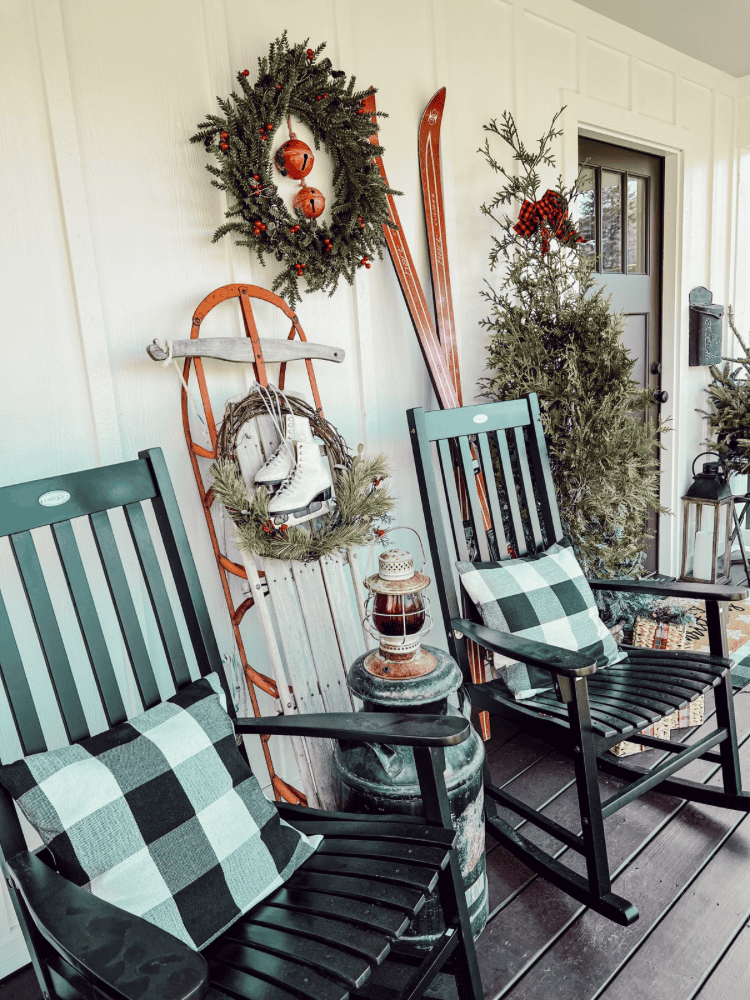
x=310, y=201
x=294, y=159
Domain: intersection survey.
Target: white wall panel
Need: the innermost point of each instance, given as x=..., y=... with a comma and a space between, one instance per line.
x=607, y=73
x=654, y=91
x=46, y=410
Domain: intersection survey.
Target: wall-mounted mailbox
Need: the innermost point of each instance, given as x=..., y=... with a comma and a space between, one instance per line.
x=705, y=328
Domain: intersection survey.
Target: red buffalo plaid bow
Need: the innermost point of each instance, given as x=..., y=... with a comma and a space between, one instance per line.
x=547, y=213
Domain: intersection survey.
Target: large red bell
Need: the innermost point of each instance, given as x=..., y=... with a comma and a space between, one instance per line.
x=294, y=159
x=310, y=201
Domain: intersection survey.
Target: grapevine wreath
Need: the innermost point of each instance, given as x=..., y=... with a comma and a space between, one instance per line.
x=361, y=509
x=296, y=83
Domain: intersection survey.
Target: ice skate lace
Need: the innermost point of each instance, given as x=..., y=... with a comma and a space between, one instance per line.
x=289, y=481
x=270, y=397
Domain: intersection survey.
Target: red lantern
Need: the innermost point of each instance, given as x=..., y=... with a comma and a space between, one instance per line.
x=397, y=615
x=294, y=159
x=310, y=201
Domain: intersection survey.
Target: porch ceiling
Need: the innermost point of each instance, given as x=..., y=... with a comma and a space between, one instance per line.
x=717, y=33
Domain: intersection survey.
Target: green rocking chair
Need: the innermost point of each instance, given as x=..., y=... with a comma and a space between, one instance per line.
x=110, y=542
x=487, y=491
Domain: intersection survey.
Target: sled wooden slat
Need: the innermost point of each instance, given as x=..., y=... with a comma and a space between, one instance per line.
x=300, y=666
x=330, y=670
x=237, y=350
x=348, y=628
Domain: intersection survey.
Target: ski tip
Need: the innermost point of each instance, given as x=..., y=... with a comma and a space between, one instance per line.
x=434, y=108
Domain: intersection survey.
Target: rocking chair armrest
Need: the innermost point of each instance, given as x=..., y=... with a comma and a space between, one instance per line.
x=124, y=953
x=368, y=727
x=675, y=588
x=566, y=662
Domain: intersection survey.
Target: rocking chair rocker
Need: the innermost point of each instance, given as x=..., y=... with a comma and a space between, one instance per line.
x=339, y=916
x=490, y=462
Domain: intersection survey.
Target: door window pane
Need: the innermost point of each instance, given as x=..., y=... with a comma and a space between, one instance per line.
x=587, y=209
x=637, y=208
x=611, y=221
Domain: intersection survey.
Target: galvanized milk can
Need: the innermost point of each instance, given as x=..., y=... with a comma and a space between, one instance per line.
x=419, y=679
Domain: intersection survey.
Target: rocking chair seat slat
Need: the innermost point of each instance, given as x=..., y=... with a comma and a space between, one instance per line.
x=248, y=942
x=430, y=857
x=374, y=947
x=380, y=919
x=630, y=695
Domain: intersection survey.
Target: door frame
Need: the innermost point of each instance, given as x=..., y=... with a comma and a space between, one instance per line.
x=596, y=120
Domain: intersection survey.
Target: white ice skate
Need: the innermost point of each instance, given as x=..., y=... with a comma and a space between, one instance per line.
x=281, y=463
x=306, y=492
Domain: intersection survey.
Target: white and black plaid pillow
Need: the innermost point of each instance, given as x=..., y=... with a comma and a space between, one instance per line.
x=543, y=597
x=162, y=816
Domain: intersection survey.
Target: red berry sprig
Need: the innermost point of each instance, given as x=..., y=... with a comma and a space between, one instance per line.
x=310, y=54
x=365, y=262
x=294, y=229
x=328, y=245
x=245, y=72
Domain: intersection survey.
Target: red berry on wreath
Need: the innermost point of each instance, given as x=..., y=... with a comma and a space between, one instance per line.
x=256, y=177
x=294, y=159
x=310, y=53
x=245, y=72
x=224, y=135
x=224, y=145
x=269, y=126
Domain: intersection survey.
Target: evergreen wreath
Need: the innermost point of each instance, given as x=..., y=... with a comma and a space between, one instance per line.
x=294, y=82
x=361, y=506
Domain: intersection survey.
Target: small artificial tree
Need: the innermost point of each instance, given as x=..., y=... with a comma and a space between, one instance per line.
x=552, y=332
x=729, y=415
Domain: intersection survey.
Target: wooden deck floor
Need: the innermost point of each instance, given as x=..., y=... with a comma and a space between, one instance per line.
x=686, y=867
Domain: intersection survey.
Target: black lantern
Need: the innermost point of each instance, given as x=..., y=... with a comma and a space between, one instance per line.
x=707, y=525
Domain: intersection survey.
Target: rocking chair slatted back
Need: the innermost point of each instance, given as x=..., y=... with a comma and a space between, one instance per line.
x=506, y=446
x=54, y=552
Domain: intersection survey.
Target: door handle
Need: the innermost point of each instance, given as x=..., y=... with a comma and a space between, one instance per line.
x=655, y=368
x=661, y=396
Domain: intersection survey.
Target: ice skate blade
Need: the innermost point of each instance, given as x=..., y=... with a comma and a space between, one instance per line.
x=318, y=507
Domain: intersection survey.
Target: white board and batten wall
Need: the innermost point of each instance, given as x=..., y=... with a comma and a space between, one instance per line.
x=108, y=212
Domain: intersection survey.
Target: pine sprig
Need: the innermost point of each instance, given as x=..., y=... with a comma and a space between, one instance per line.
x=291, y=84
x=361, y=511
x=552, y=332
x=729, y=401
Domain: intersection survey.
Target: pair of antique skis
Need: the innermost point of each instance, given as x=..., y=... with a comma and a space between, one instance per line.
x=438, y=346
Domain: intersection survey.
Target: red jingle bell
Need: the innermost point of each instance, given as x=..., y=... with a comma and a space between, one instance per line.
x=294, y=159
x=310, y=201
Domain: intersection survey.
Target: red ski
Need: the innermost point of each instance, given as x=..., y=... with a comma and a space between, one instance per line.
x=434, y=214
x=416, y=302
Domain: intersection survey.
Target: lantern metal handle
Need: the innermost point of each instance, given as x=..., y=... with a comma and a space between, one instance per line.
x=398, y=527
x=721, y=462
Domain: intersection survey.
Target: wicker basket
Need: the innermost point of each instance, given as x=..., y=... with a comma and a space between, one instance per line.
x=651, y=634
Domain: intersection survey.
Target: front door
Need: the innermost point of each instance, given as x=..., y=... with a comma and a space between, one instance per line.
x=620, y=217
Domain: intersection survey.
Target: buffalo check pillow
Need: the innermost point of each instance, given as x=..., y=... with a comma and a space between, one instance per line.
x=162, y=816
x=543, y=597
